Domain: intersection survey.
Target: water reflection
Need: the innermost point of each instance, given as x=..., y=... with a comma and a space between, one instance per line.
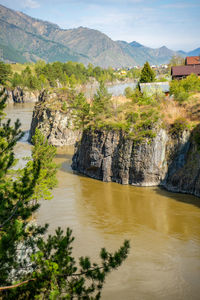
x=117, y=209
x=164, y=262
x=118, y=89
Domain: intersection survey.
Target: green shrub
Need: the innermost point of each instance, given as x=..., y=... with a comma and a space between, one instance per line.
x=179, y=125
x=81, y=111
x=5, y=72
x=16, y=80
x=128, y=92
x=181, y=89
x=64, y=106
x=132, y=117
x=101, y=102
x=197, y=137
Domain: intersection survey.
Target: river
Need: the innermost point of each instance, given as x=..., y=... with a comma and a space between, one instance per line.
x=163, y=228
x=118, y=89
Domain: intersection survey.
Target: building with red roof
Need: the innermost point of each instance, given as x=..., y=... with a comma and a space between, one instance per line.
x=192, y=60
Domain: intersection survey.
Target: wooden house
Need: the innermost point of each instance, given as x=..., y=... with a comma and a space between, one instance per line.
x=180, y=72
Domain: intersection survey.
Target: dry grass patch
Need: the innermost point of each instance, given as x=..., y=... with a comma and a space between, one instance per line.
x=172, y=111
x=193, y=108
x=188, y=110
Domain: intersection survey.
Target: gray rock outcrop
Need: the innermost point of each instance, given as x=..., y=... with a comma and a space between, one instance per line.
x=20, y=95
x=167, y=160
x=184, y=171
x=8, y=92
x=56, y=126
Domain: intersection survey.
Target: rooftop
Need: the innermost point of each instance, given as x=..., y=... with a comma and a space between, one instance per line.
x=185, y=70
x=192, y=60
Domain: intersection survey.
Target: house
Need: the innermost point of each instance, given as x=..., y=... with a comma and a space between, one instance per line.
x=180, y=72
x=152, y=87
x=192, y=60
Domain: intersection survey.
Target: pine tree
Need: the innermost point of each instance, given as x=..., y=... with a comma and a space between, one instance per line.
x=101, y=103
x=147, y=74
x=5, y=72
x=81, y=111
x=32, y=267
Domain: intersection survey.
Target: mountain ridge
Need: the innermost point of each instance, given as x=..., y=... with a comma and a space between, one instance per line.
x=30, y=39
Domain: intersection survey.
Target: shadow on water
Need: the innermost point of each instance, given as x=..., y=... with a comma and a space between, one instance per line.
x=181, y=197
x=67, y=156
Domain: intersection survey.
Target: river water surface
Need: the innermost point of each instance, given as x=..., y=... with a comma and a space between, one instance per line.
x=163, y=228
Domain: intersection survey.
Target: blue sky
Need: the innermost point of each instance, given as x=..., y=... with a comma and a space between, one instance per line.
x=154, y=23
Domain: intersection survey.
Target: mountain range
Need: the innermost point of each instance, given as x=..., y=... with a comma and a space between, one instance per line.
x=25, y=39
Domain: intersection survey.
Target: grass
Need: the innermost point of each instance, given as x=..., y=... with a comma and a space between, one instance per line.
x=18, y=68
x=189, y=110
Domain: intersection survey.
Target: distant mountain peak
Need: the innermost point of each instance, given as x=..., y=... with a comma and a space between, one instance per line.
x=136, y=44
x=23, y=38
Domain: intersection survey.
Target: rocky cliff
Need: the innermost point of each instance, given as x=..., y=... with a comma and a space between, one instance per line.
x=184, y=170
x=56, y=125
x=21, y=95
x=170, y=160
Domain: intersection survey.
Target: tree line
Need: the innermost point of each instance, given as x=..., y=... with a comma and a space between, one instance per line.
x=42, y=75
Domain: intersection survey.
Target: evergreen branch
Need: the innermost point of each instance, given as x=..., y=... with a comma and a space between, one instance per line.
x=85, y=272
x=11, y=216
x=3, y=288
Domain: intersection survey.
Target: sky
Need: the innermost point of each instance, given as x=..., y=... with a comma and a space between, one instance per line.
x=153, y=23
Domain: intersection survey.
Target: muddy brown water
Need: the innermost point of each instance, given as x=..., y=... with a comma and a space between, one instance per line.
x=163, y=228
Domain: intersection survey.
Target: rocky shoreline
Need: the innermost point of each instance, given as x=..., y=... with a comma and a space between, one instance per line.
x=171, y=162
x=21, y=95
x=169, y=159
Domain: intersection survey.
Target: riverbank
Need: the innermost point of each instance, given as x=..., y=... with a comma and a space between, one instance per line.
x=144, y=140
x=163, y=228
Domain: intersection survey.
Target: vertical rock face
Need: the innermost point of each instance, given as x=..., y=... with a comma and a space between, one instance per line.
x=20, y=95
x=173, y=162
x=8, y=93
x=55, y=125
x=9, y=96
x=184, y=171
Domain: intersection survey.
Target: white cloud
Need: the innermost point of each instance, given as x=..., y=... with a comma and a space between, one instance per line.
x=31, y=4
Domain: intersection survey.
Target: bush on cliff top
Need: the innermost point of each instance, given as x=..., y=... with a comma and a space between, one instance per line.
x=182, y=89
x=136, y=118
x=179, y=125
